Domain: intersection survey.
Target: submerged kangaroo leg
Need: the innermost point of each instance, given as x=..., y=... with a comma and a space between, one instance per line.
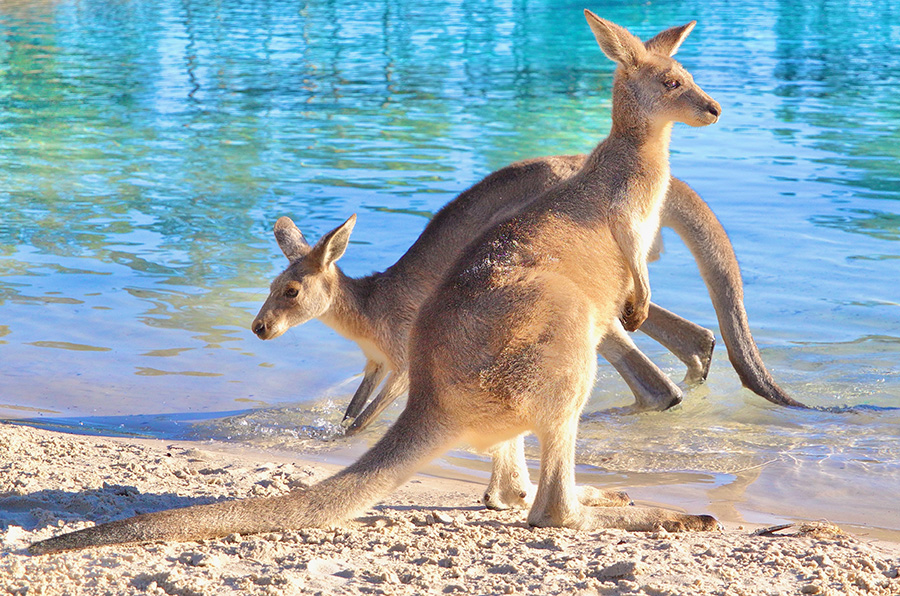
x=691, y=343
x=692, y=219
x=394, y=386
x=420, y=434
x=652, y=388
x=372, y=376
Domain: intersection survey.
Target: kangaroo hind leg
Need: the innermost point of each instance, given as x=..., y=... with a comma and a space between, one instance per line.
x=510, y=486
x=555, y=422
x=556, y=409
x=557, y=504
x=691, y=343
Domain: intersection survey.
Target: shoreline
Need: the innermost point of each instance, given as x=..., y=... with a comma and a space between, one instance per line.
x=430, y=536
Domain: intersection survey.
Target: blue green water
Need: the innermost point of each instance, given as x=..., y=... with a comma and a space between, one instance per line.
x=147, y=147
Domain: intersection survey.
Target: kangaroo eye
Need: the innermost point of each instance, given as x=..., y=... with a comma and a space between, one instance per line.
x=291, y=292
x=672, y=84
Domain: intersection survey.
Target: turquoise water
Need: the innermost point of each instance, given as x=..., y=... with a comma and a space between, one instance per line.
x=147, y=147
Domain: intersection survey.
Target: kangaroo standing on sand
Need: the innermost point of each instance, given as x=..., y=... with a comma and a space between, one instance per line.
x=377, y=311
x=507, y=343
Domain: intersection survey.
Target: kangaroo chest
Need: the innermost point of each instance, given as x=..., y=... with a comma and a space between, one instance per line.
x=640, y=205
x=648, y=226
x=374, y=352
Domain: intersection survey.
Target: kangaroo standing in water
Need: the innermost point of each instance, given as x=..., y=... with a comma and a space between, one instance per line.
x=377, y=311
x=507, y=343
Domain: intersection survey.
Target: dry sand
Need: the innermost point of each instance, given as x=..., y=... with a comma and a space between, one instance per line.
x=430, y=537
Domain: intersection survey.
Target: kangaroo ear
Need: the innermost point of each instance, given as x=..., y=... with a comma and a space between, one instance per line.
x=617, y=43
x=667, y=42
x=331, y=246
x=290, y=239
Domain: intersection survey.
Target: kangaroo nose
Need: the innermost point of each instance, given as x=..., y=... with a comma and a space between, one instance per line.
x=714, y=109
x=258, y=327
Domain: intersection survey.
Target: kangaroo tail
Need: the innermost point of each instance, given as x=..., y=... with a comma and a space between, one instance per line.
x=419, y=435
x=701, y=231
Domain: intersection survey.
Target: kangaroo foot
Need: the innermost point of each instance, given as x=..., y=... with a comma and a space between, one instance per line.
x=510, y=492
x=699, y=362
x=690, y=523
x=655, y=402
x=647, y=519
x=591, y=496
x=519, y=496
x=634, y=519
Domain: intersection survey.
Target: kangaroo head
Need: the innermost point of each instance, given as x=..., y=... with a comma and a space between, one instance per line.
x=650, y=87
x=306, y=289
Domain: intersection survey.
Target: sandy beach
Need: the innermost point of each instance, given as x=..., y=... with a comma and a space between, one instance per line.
x=430, y=537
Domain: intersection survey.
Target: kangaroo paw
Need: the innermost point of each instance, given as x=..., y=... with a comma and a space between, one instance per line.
x=633, y=316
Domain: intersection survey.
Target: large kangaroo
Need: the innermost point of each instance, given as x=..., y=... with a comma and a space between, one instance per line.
x=506, y=345
x=377, y=311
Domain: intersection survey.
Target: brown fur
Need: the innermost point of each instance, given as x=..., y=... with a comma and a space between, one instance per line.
x=506, y=345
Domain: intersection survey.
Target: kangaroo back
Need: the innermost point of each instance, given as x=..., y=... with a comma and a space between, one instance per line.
x=476, y=210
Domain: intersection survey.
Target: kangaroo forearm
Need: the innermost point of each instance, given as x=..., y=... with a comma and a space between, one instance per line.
x=632, y=245
x=394, y=387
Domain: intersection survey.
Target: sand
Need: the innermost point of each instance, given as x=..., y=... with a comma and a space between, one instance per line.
x=430, y=537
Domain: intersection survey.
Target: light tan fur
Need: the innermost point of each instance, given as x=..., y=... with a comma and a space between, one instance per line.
x=507, y=343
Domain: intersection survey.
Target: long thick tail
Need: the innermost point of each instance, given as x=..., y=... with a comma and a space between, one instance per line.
x=694, y=221
x=418, y=436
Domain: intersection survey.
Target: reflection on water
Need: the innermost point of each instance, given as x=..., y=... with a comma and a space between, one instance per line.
x=147, y=147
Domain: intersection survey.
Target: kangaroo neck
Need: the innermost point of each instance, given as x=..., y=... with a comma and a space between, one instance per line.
x=348, y=313
x=639, y=142
x=642, y=141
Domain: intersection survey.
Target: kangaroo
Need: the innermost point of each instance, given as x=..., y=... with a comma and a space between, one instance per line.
x=506, y=345
x=377, y=311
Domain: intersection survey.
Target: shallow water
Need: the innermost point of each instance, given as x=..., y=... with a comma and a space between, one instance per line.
x=147, y=147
